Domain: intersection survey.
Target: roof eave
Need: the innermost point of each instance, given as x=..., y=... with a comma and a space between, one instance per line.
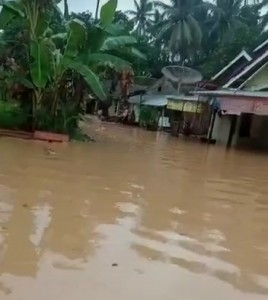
x=233, y=93
x=247, y=69
x=243, y=53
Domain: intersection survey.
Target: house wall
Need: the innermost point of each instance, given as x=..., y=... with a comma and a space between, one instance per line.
x=258, y=133
x=259, y=81
x=259, y=130
x=222, y=128
x=137, y=111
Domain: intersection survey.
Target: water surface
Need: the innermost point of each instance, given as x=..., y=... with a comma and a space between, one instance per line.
x=137, y=215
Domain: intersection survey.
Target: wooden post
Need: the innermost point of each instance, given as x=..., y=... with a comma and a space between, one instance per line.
x=212, y=124
x=97, y=10
x=232, y=130
x=162, y=118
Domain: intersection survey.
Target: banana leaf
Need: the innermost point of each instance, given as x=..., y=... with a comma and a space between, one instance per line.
x=109, y=60
x=15, y=6
x=117, y=41
x=137, y=53
x=10, y=10
x=41, y=65
x=42, y=24
x=75, y=39
x=107, y=12
x=91, y=79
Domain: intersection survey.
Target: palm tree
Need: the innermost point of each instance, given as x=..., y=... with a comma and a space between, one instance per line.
x=97, y=9
x=226, y=14
x=141, y=15
x=180, y=26
x=155, y=23
x=262, y=6
x=66, y=9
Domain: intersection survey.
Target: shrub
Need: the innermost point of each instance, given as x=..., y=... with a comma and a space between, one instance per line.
x=11, y=115
x=149, y=117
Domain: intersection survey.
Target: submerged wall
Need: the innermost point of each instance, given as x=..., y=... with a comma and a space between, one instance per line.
x=258, y=138
x=258, y=133
x=222, y=128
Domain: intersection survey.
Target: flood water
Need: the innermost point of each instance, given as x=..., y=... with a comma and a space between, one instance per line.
x=136, y=215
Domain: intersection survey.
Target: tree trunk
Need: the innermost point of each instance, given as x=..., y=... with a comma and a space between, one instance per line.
x=97, y=10
x=66, y=9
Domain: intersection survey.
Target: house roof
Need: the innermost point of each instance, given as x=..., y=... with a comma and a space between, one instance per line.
x=192, y=98
x=228, y=68
x=149, y=100
x=161, y=100
x=242, y=67
x=234, y=93
x=237, y=80
x=261, y=46
x=253, y=75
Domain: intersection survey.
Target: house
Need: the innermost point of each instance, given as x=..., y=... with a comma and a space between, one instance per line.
x=241, y=102
x=176, y=111
x=188, y=114
x=156, y=101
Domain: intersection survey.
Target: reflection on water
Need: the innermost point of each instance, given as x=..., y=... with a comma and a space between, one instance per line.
x=136, y=215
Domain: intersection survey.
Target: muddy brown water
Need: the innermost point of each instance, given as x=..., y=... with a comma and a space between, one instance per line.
x=136, y=215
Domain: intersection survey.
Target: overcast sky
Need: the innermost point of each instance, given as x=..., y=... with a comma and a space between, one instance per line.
x=84, y=5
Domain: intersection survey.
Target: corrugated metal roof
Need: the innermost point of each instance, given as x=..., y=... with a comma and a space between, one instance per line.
x=254, y=94
x=192, y=98
x=150, y=100
x=161, y=100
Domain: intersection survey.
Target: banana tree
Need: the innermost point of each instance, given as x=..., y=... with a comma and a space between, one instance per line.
x=84, y=49
x=37, y=15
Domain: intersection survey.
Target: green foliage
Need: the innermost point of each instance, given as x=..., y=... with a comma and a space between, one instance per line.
x=64, y=121
x=203, y=34
x=108, y=60
x=55, y=61
x=149, y=117
x=107, y=12
x=76, y=33
x=40, y=71
x=91, y=78
x=85, y=17
x=123, y=20
x=62, y=58
x=241, y=37
x=181, y=27
x=115, y=42
x=141, y=15
x=11, y=115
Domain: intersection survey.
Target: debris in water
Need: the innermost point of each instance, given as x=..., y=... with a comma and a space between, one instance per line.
x=49, y=151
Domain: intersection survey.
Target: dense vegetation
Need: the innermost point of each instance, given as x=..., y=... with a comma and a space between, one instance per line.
x=50, y=62
x=203, y=34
